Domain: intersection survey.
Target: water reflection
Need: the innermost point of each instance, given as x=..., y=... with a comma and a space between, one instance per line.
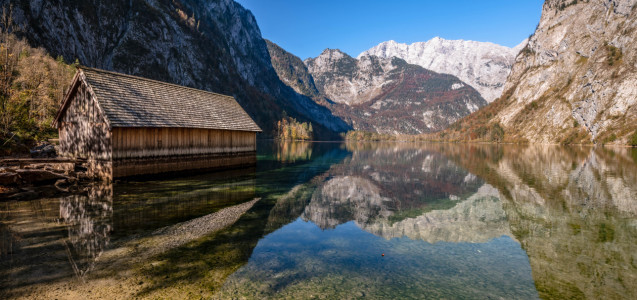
x=143, y=206
x=574, y=212
x=89, y=224
x=399, y=190
x=443, y=229
x=289, y=151
x=312, y=219
x=49, y=241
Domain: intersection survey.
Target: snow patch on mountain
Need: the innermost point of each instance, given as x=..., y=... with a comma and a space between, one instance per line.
x=456, y=86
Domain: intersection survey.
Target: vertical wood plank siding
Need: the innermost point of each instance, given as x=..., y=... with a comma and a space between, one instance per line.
x=83, y=130
x=162, y=142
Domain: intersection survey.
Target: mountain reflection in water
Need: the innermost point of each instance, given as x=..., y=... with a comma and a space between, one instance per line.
x=312, y=219
x=574, y=210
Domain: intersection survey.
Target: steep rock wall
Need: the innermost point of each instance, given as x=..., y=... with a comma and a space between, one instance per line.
x=577, y=73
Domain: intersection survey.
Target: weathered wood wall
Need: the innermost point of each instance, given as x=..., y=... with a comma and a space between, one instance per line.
x=83, y=130
x=162, y=142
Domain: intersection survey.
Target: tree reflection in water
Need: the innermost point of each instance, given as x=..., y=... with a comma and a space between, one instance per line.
x=288, y=151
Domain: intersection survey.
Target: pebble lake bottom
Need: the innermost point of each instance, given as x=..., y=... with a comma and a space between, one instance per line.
x=342, y=221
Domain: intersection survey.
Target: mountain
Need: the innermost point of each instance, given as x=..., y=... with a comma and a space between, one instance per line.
x=375, y=94
x=388, y=95
x=214, y=45
x=292, y=71
x=347, y=80
x=575, y=81
x=484, y=66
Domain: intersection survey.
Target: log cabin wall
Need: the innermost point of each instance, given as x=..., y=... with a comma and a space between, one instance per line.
x=133, y=143
x=83, y=130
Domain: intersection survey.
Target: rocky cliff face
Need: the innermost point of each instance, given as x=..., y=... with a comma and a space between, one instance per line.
x=388, y=95
x=347, y=80
x=380, y=95
x=213, y=45
x=292, y=71
x=575, y=80
x=484, y=66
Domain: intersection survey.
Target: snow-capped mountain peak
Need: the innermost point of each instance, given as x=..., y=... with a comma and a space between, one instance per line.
x=483, y=65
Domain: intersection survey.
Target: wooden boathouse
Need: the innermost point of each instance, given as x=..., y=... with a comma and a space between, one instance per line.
x=126, y=125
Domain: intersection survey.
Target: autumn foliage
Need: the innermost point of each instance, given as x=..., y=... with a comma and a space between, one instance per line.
x=32, y=85
x=290, y=129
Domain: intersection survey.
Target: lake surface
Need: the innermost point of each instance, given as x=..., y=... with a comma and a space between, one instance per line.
x=342, y=221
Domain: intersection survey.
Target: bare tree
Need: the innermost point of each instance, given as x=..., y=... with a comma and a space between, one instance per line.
x=9, y=56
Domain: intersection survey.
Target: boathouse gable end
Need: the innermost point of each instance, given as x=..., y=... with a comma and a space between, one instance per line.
x=113, y=119
x=83, y=128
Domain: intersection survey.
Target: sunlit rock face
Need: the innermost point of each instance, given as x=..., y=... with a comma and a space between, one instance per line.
x=379, y=94
x=576, y=74
x=389, y=95
x=573, y=211
x=347, y=80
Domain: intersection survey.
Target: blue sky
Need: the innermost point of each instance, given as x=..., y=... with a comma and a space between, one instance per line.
x=305, y=27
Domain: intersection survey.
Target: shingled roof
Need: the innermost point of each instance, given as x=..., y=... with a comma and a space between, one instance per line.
x=131, y=101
